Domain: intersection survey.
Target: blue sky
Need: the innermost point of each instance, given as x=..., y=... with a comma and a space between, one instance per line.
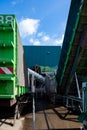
x=41, y=22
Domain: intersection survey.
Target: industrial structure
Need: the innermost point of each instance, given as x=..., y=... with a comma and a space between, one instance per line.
x=72, y=68
x=13, y=69
x=16, y=77
x=47, y=57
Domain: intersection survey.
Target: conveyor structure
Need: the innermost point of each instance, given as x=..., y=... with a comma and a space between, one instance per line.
x=72, y=66
x=36, y=75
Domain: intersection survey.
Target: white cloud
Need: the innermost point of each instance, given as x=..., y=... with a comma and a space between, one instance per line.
x=28, y=26
x=59, y=41
x=31, y=40
x=40, y=34
x=37, y=43
x=45, y=38
x=34, y=41
x=29, y=32
x=15, y=2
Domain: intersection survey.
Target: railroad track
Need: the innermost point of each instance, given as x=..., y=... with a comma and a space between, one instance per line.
x=47, y=117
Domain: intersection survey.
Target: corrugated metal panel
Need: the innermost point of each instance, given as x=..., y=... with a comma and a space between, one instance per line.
x=22, y=72
x=42, y=55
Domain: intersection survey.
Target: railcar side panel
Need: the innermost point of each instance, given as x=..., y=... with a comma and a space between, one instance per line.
x=13, y=70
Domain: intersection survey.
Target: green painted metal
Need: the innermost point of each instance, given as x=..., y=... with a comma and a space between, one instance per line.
x=47, y=69
x=73, y=24
x=7, y=55
x=70, y=44
x=82, y=117
x=22, y=90
x=9, y=87
x=84, y=79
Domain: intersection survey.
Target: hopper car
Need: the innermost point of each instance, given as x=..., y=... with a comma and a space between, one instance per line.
x=13, y=69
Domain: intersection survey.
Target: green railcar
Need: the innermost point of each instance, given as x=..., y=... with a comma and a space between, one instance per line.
x=13, y=70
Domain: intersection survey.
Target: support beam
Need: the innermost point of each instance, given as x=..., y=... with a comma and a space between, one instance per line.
x=73, y=69
x=77, y=85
